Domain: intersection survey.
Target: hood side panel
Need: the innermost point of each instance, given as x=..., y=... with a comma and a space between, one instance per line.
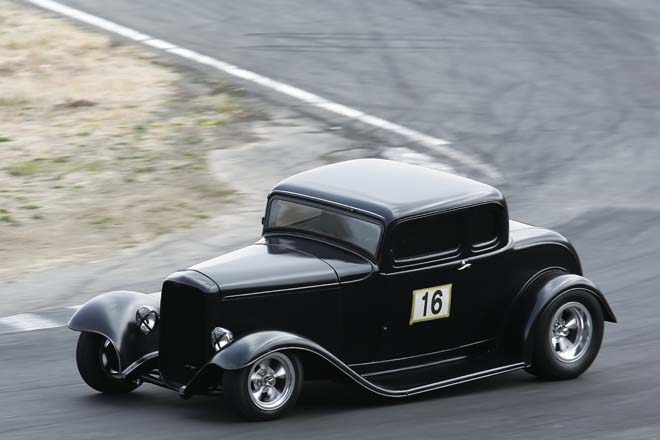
x=349, y=266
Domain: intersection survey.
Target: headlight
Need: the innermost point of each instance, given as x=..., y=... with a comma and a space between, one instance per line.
x=220, y=338
x=146, y=319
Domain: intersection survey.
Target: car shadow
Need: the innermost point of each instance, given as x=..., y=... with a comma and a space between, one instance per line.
x=322, y=397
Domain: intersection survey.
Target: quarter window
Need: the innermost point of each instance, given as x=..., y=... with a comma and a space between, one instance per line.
x=457, y=234
x=438, y=235
x=483, y=223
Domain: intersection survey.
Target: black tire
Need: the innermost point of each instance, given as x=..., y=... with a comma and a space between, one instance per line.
x=238, y=386
x=548, y=365
x=89, y=358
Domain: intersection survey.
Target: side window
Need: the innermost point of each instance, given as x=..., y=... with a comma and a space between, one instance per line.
x=457, y=234
x=434, y=236
x=483, y=226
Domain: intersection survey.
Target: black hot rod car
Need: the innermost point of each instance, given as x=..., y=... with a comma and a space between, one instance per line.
x=401, y=278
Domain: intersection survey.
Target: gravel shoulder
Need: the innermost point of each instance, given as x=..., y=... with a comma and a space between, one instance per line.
x=119, y=166
x=103, y=145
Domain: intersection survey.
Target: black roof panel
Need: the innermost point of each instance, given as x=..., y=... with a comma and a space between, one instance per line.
x=388, y=189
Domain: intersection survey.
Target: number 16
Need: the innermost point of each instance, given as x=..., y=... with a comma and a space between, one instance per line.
x=436, y=303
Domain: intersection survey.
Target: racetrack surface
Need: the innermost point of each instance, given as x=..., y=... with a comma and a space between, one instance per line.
x=562, y=98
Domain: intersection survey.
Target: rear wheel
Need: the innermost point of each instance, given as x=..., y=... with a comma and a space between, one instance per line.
x=266, y=389
x=98, y=364
x=567, y=336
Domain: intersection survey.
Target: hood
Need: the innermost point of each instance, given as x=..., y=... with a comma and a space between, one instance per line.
x=266, y=267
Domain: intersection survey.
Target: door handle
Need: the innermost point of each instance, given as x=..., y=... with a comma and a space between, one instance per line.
x=465, y=265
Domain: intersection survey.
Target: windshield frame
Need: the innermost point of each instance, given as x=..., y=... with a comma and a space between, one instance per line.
x=328, y=206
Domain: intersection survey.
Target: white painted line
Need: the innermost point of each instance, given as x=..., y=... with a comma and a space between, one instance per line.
x=436, y=144
x=159, y=44
x=91, y=19
x=43, y=319
x=27, y=322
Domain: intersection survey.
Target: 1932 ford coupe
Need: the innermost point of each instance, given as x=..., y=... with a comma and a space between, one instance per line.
x=401, y=278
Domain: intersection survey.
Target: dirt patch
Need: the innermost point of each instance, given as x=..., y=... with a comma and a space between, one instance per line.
x=102, y=145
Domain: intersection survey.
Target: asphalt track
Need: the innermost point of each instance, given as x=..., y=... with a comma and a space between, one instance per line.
x=562, y=98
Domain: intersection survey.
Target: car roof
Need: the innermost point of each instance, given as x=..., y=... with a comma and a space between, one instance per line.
x=388, y=189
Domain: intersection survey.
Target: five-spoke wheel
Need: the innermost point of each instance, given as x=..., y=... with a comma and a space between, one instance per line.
x=571, y=331
x=98, y=364
x=567, y=336
x=267, y=388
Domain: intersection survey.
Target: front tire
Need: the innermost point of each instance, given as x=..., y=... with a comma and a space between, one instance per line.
x=567, y=336
x=265, y=390
x=98, y=365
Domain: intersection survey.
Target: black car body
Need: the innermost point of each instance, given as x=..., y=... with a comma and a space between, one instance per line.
x=402, y=278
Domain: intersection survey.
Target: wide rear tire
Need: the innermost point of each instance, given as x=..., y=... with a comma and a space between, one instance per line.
x=266, y=389
x=98, y=365
x=567, y=336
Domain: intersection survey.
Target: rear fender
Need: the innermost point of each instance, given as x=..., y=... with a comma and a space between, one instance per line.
x=533, y=300
x=112, y=315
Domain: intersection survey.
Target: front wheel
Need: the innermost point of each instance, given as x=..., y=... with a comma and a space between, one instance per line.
x=567, y=336
x=266, y=389
x=98, y=364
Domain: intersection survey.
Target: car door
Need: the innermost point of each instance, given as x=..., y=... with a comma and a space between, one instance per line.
x=434, y=296
x=422, y=310
x=488, y=280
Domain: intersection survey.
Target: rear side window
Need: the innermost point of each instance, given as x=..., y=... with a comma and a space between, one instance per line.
x=483, y=226
x=457, y=234
x=434, y=236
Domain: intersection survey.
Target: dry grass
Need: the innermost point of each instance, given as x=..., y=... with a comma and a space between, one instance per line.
x=102, y=145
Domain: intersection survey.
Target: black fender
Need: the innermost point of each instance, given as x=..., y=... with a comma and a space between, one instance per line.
x=112, y=315
x=252, y=347
x=248, y=349
x=537, y=295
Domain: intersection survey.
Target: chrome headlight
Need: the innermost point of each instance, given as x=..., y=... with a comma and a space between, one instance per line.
x=220, y=338
x=146, y=319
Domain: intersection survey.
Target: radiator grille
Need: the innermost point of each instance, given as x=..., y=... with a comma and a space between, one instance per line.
x=184, y=336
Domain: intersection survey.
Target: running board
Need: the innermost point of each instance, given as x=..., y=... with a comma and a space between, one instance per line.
x=388, y=391
x=199, y=380
x=466, y=378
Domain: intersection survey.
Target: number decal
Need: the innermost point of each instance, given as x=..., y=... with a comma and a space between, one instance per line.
x=430, y=303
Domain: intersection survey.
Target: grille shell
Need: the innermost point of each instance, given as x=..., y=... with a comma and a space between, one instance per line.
x=185, y=343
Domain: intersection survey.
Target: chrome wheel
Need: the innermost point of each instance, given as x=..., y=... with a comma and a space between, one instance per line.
x=271, y=381
x=571, y=331
x=98, y=364
x=108, y=358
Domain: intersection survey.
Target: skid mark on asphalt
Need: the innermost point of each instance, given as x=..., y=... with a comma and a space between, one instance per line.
x=40, y=320
x=433, y=144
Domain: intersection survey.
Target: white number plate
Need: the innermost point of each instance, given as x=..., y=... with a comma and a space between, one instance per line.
x=430, y=303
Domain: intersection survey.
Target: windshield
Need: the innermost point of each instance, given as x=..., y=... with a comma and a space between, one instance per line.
x=321, y=221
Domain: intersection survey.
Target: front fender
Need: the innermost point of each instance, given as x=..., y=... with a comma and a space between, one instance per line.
x=112, y=315
x=252, y=347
